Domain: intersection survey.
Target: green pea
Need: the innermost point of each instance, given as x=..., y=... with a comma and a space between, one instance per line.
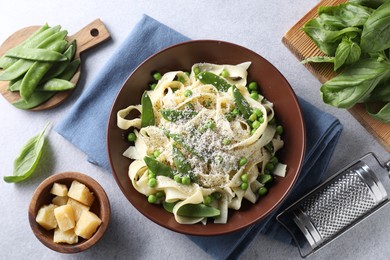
x=187, y=93
x=255, y=96
x=243, y=161
x=262, y=191
x=256, y=124
x=187, y=73
x=153, y=86
x=159, y=194
x=226, y=141
x=225, y=73
x=216, y=195
x=264, y=178
x=254, y=91
x=177, y=178
x=244, y=177
x=157, y=75
x=279, y=129
x=253, y=117
x=186, y=180
x=253, y=131
x=244, y=186
x=252, y=86
x=274, y=160
x=152, y=199
x=131, y=137
x=156, y=153
x=152, y=182
x=151, y=175
x=207, y=200
x=261, y=120
x=258, y=112
x=181, y=79
x=196, y=70
x=270, y=166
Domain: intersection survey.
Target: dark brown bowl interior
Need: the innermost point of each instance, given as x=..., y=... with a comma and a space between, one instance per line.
x=274, y=87
x=42, y=196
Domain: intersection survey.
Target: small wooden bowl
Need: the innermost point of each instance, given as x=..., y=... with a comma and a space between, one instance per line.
x=42, y=196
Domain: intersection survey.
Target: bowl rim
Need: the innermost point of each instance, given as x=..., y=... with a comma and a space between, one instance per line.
x=101, y=197
x=302, y=125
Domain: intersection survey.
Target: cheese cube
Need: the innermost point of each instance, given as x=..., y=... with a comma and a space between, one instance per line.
x=68, y=236
x=87, y=224
x=81, y=193
x=60, y=200
x=45, y=217
x=65, y=217
x=59, y=189
x=78, y=208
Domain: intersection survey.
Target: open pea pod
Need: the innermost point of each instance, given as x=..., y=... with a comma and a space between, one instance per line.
x=198, y=211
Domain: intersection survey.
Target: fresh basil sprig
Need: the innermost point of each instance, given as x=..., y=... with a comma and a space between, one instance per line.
x=28, y=159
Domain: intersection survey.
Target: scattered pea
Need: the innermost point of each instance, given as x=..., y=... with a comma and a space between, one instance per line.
x=226, y=141
x=187, y=73
x=255, y=96
x=253, y=131
x=181, y=79
x=156, y=153
x=252, y=86
x=254, y=91
x=225, y=73
x=244, y=186
x=159, y=194
x=152, y=182
x=153, y=86
x=265, y=178
x=187, y=93
x=243, y=161
x=177, y=178
x=235, y=111
x=262, y=191
x=216, y=195
x=207, y=200
x=229, y=117
x=151, y=174
x=131, y=137
x=258, y=112
x=186, y=180
x=157, y=76
x=261, y=119
x=256, y=124
x=274, y=160
x=270, y=166
x=253, y=117
x=244, y=177
x=152, y=199
x=196, y=70
x=279, y=129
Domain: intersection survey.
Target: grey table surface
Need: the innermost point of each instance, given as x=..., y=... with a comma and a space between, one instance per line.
x=256, y=24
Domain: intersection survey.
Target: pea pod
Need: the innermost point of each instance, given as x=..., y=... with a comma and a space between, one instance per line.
x=70, y=70
x=59, y=67
x=207, y=77
x=158, y=168
x=180, y=161
x=174, y=115
x=21, y=66
x=36, y=72
x=168, y=206
x=35, y=54
x=198, y=211
x=241, y=103
x=147, y=114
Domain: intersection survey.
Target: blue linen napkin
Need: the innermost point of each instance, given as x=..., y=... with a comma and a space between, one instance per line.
x=93, y=107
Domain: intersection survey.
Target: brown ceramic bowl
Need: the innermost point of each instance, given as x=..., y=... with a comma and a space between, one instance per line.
x=42, y=196
x=274, y=87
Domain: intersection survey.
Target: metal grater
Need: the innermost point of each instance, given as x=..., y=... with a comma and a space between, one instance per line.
x=338, y=204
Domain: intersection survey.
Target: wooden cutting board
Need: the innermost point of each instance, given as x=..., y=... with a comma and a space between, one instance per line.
x=303, y=47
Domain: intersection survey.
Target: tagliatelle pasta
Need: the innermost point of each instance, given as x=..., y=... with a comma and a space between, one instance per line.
x=204, y=142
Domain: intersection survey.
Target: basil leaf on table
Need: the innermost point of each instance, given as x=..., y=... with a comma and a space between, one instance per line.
x=369, y=3
x=380, y=93
x=344, y=15
x=28, y=159
x=347, y=52
x=318, y=59
x=354, y=83
x=376, y=31
x=327, y=40
x=382, y=115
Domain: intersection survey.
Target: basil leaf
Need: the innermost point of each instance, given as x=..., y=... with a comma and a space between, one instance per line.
x=369, y=3
x=382, y=115
x=347, y=52
x=376, y=30
x=28, y=159
x=380, y=93
x=327, y=40
x=354, y=83
x=344, y=15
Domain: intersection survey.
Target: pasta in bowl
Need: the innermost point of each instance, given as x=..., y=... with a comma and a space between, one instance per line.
x=204, y=145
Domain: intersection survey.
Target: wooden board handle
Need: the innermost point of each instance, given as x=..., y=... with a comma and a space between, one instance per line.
x=89, y=36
